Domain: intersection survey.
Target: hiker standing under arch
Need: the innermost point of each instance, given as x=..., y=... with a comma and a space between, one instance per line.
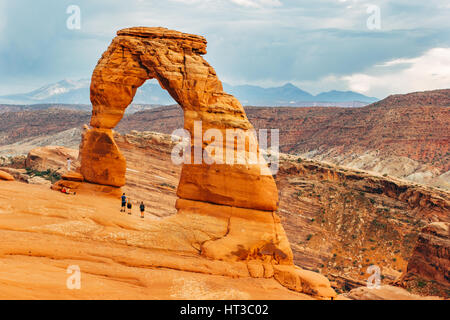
x=124, y=203
x=142, y=208
x=129, y=206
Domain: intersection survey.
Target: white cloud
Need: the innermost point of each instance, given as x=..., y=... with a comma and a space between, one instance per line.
x=270, y=3
x=242, y=3
x=427, y=72
x=187, y=1
x=257, y=3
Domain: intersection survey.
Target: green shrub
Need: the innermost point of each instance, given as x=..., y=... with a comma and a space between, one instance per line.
x=48, y=174
x=421, y=283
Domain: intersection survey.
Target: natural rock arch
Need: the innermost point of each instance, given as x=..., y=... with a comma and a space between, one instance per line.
x=174, y=59
x=225, y=211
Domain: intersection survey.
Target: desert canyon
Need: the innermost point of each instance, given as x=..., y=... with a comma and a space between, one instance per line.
x=219, y=231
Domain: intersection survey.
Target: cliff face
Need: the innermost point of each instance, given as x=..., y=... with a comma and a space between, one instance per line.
x=340, y=221
x=428, y=270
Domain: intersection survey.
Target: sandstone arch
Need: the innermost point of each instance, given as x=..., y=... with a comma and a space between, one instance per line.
x=174, y=59
x=237, y=202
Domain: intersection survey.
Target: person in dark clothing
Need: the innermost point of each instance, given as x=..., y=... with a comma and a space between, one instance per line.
x=124, y=203
x=129, y=206
x=142, y=207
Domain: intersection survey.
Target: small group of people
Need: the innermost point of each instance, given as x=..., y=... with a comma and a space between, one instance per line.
x=126, y=204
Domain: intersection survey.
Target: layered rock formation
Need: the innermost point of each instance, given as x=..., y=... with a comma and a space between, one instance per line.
x=431, y=257
x=340, y=221
x=15, y=126
x=429, y=266
x=226, y=204
x=53, y=158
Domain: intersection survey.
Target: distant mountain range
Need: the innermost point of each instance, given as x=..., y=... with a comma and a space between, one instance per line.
x=290, y=95
x=77, y=92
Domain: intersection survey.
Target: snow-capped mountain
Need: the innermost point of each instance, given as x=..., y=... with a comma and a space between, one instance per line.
x=58, y=89
x=290, y=95
x=65, y=91
x=77, y=92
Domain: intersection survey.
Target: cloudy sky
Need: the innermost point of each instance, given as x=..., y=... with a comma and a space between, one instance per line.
x=317, y=45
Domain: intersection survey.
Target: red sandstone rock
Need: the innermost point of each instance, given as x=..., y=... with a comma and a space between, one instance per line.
x=247, y=234
x=431, y=257
x=73, y=176
x=51, y=157
x=101, y=160
x=430, y=261
x=243, y=187
x=304, y=281
x=6, y=176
